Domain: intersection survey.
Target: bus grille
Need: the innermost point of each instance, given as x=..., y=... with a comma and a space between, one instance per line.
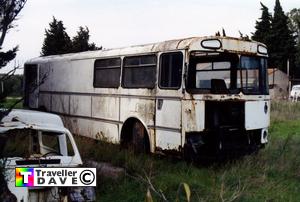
x=224, y=114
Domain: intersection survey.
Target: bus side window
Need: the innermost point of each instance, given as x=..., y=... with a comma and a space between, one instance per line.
x=170, y=70
x=107, y=73
x=139, y=71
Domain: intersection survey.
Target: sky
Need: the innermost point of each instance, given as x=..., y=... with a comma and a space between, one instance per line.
x=119, y=23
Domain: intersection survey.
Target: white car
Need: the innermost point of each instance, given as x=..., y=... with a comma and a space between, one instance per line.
x=295, y=93
x=35, y=139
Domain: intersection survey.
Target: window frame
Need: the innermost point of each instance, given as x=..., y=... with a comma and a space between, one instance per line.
x=44, y=140
x=214, y=70
x=137, y=66
x=262, y=91
x=160, y=71
x=120, y=68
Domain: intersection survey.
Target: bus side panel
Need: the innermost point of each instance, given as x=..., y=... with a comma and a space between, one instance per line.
x=168, y=124
x=45, y=101
x=60, y=104
x=105, y=107
x=80, y=76
x=193, y=117
x=80, y=105
x=67, y=76
x=57, y=76
x=168, y=139
x=93, y=128
x=168, y=114
x=140, y=108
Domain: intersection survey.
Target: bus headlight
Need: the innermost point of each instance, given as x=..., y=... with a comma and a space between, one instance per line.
x=264, y=136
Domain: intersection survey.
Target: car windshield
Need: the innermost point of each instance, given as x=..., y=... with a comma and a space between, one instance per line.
x=227, y=73
x=28, y=143
x=296, y=88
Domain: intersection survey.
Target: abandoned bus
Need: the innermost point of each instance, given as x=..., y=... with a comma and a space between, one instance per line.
x=195, y=95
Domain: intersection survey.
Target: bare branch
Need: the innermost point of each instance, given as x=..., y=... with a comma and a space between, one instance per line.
x=9, y=11
x=6, y=112
x=148, y=182
x=9, y=74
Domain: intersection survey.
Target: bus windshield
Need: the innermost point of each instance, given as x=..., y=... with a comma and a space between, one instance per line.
x=227, y=73
x=253, y=74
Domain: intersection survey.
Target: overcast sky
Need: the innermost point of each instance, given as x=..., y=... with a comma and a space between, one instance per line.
x=118, y=23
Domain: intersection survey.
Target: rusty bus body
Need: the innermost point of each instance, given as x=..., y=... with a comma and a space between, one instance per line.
x=196, y=95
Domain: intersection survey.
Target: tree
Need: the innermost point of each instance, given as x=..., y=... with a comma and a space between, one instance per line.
x=294, y=24
x=13, y=85
x=81, y=41
x=9, y=10
x=282, y=44
x=263, y=26
x=56, y=39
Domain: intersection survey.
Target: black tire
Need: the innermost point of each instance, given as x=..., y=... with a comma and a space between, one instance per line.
x=140, y=142
x=188, y=154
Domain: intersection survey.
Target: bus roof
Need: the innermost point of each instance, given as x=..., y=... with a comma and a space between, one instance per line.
x=229, y=44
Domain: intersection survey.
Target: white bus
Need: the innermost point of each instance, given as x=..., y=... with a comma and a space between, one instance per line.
x=195, y=95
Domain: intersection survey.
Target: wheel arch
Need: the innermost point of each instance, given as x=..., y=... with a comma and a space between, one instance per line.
x=126, y=129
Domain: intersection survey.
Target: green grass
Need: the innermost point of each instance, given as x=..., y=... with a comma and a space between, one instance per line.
x=10, y=101
x=271, y=175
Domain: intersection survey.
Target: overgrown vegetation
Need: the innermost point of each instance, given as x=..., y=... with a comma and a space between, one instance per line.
x=271, y=175
x=10, y=101
x=12, y=86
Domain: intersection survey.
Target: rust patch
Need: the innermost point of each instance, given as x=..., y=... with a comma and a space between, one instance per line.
x=172, y=152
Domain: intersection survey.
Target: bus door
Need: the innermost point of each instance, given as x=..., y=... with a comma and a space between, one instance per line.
x=31, y=88
x=168, y=102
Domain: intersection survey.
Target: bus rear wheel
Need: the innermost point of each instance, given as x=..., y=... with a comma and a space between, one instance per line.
x=134, y=137
x=140, y=141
